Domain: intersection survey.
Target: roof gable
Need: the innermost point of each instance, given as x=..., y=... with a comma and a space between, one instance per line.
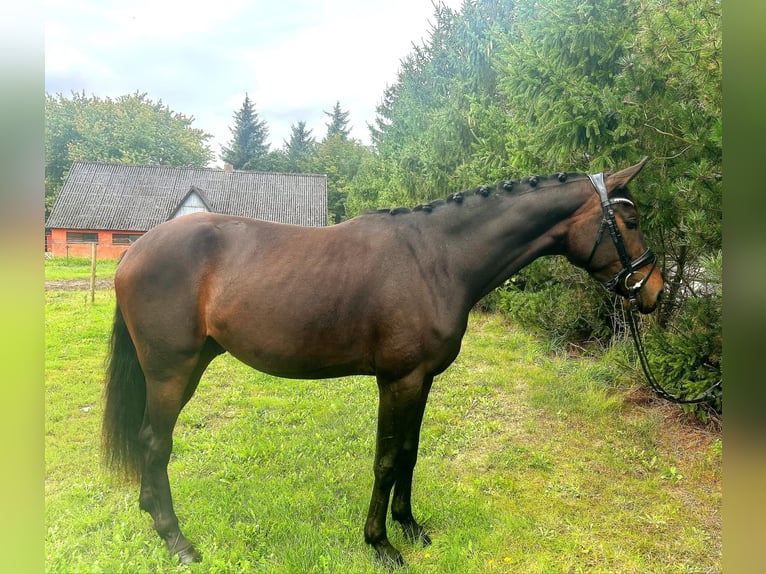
x=193, y=202
x=124, y=197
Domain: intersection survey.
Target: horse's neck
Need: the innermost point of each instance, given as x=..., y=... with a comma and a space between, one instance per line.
x=496, y=236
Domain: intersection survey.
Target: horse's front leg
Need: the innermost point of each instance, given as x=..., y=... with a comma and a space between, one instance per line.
x=401, y=506
x=400, y=410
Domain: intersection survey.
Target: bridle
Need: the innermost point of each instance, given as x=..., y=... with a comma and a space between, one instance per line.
x=630, y=267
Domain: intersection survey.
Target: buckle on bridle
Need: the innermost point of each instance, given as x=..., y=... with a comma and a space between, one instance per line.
x=623, y=277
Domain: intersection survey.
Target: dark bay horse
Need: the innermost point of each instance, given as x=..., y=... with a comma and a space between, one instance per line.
x=385, y=294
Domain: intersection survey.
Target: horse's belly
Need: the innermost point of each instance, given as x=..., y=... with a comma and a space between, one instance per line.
x=297, y=352
x=298, y=368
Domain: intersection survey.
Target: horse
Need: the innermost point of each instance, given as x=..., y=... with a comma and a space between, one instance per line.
x=387, y=293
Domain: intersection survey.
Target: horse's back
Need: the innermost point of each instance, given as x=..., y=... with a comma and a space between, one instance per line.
x=180, y=252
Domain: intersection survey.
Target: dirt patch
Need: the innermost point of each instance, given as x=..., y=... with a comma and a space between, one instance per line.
x=78, y=285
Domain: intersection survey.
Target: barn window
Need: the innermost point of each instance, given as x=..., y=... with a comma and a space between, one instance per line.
x=124, y=238
x=80, y=237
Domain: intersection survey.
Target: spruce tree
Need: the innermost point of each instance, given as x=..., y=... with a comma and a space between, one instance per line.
x=338, y=124
x=248, y=148
x=299, y=149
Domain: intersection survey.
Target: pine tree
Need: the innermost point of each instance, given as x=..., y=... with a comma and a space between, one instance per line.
x=338, y=125
x=248, y=147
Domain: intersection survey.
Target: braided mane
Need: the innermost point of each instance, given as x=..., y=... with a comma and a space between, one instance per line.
x=506, y=186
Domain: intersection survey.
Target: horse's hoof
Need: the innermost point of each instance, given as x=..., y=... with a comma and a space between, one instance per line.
x=394, y=562
x=390, y=556
x=415, y=533
x=189, y=556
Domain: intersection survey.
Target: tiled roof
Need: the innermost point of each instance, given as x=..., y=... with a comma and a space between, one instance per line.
x=124, y=197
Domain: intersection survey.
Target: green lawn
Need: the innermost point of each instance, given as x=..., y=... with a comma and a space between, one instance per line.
x=528, y=463
x=59, y=268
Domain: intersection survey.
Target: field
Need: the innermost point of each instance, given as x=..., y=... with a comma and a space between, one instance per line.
x=529, y=462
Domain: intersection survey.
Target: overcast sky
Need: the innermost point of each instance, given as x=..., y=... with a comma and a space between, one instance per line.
x=295, y=58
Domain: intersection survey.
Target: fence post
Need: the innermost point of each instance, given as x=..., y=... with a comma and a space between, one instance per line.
x=92, y=272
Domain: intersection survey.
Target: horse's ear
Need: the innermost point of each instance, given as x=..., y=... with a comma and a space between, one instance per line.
x=623, y=178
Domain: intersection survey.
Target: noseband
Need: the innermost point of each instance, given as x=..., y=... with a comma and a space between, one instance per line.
x=629, y=267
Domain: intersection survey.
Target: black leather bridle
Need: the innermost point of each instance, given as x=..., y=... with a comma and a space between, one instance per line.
x=630, y=267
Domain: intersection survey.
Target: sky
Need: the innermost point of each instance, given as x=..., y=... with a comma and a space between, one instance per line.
x=294, y=58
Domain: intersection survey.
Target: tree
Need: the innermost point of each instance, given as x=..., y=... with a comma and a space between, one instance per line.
x=559, y=84
x=338, y=124
x=431, y=120
x=300, y=148
x=248, y=148
x=622, y=81
x=507, y=88
x=129, y=129
x=341, y=159
x=671, y=88
x=60, y=130
x=370, y=187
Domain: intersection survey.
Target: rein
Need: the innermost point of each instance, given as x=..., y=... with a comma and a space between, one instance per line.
x=656, y=387
x=630, y=268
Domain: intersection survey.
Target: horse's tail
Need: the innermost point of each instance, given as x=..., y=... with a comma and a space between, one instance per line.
x=125, y=402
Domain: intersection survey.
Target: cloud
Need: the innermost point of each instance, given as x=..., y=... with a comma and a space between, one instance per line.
x=160, y=21
x=295, y=58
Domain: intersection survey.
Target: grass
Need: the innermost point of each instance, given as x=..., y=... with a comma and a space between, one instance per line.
x=60, y=268
x=529, y=463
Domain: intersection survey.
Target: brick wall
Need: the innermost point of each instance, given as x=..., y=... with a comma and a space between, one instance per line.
x=59, y=246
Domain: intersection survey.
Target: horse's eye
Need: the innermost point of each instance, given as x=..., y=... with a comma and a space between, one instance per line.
x=631, y=224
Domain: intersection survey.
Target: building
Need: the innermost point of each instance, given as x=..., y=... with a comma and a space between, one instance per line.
x=113, y=204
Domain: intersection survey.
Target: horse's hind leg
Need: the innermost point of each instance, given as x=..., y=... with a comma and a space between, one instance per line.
x=164, y=401
x=166, y=396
